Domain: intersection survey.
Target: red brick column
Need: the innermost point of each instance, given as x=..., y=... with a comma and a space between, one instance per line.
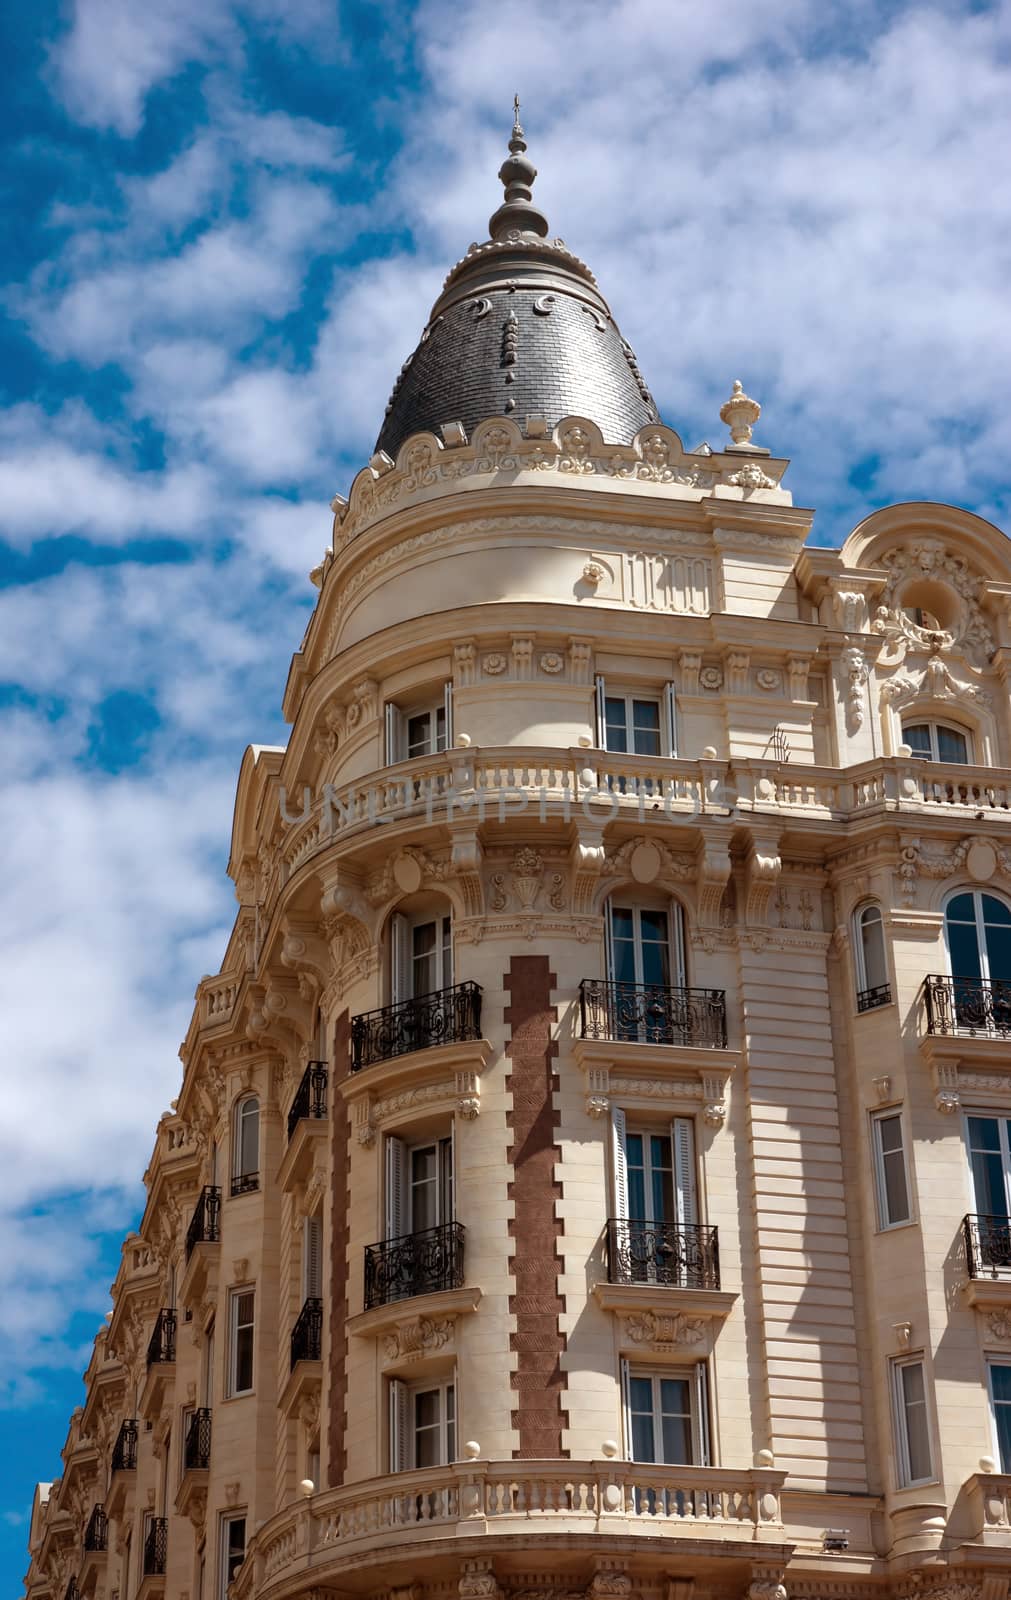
x=339, y=1069
x=539, y=1382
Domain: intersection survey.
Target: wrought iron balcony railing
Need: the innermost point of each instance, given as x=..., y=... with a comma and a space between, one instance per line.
x=972, y=1006
x=205, y=1224
x=124, y=1451
x=96, y=1534
x=310, y=1096
x=416, y=1263
x=245, y=1182
x=988, y=1246
x=197, y=1448
x=445, y=1017
x=156, y=1547
x=307, y=1334
x=870, y=999
x=162, y=1344
x=72, y=1592
x=675, y=1254
x=651, y=1013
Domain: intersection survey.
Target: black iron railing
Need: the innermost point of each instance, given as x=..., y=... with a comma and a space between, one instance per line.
x=675, y=1254
x=197, y=1448
x=205, y=1224
x=968, y=1005
x=307, y=1334
x=124, y=1451
x=870, y=999
x=156, y=1547
x=445, y=1017
x=651, y=1013
x=96, y=1534
x=310, y=1096
x=72, y=1592
x=245, y=1182
x=162, y=1344
x=987, y=1246
x=416, y=1263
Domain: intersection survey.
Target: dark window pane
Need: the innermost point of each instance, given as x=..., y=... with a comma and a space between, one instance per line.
x=951, y=746
x=918, y=739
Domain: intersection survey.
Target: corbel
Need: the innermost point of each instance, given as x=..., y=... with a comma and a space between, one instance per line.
x=762, y=871
x=304, y=950
x=713, y=868
x=587, y=858
x=466, y=856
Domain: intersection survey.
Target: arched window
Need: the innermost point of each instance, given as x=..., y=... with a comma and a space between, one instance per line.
x=246, y=1146
x=977, y=997
x=873, y=988
x=937, y=741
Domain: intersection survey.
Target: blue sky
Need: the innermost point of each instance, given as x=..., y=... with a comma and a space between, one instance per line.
x=225, y=223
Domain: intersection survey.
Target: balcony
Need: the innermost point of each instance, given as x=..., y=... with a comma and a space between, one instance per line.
x=96, y=1534
x=414, y=1264
x=870, y=999
x=967, y=1007
x=197, y=1447
x=307, y=1334
x=310, y=1096
x=650, y=1013
x=161, y=1347
x=205, y=1224
x=667, y=1254
x=156, y=1548
x=449, y=1016
x=124, y=1451
x=245, y=1183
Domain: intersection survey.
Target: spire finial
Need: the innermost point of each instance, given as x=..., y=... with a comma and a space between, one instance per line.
x=518, y=216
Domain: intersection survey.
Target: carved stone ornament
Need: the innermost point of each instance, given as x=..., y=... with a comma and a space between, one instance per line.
x=478, y=1581
x=416, y=1337
x=930, y=559
x=609, y=1584
x=935, y=682
x=999, y=1324
x=665, y=1330
x=855, y=675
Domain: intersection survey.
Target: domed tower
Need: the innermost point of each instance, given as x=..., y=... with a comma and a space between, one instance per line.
x=587, y=1174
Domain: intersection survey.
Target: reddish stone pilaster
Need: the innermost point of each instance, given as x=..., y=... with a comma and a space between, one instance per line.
x=539, y=1382
x=341, y=1155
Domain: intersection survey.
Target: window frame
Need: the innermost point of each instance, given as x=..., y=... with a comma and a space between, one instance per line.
x=398, y=1207
x=235, y=1296
x=626, y=899
x=397, y=716
x=934, y=726
x=991, y=1362
x=900, y=1428
x=696, y=1374
x=401, y=1398
x=227, y=1520
x=664, y=697
x=245, y=1179
x=403, y=958
x=878, y=1153
x=978, y=893
x=866, y=989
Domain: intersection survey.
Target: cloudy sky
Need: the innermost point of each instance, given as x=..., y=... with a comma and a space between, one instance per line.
x=224, y=224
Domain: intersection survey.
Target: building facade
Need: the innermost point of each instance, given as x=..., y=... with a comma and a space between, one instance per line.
x=592, y=1167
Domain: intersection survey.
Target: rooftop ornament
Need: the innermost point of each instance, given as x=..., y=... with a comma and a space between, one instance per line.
x=740, y=413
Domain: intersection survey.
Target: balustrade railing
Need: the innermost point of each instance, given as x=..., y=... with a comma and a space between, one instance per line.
x=870, y=999
x=970, y=1006
x=310, y=1096
x=72, y=1592
x=672, y=1254
x=445, y=1017
x=124, y=1451
x=205, y=1224
x=162, y=1344
x=416, y=1263
x=96, y=1534
x=156, y=1547
x=987, y=1246
x=307, y=1334
x=197, y=1448
x=651, y=1013
x=245, y=1183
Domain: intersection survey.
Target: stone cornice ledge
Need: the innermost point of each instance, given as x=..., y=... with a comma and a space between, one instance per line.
x=444, y=1304
x=662, y=1300
x=667, y=1071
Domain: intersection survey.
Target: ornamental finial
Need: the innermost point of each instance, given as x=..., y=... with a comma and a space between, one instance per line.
x=740, y=413
x=518, y=218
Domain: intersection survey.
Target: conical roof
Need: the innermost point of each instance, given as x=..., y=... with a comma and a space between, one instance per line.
x=519, y=329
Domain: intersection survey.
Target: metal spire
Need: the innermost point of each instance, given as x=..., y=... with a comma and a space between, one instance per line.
x=518, y=216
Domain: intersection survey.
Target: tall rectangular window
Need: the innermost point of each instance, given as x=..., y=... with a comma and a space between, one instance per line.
x=241, y=1304
x=636, y=724
x=233, y=1550
x=999, y=1373
x=422, y=1425
x=915, y=1456
x=667, y=1415
x=891, y=1178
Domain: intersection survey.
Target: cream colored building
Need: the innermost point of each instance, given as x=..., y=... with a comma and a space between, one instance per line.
x=591, y=1169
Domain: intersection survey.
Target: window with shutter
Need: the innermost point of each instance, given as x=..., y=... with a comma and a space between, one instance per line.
x=313, y=1258
x=396, y=1187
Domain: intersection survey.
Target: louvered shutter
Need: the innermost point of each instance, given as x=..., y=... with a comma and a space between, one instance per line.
x=679, y=975
x=400, y=1451
x=601, y=712
x=396, y=1188
x=395, y=750
x=626, y=1413
x=619, y=1160
x=685, y=1193
x=670, y=719
x=313, y=1245
x=448, y=703
x=400, y=958
x=700, y=1415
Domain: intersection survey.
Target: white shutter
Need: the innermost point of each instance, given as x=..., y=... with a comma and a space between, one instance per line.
x=686, y=1196
x=679, y=976
x=400, y=1453
x=670, y=719
x=620, y=1163
x=451, y=1152
x=396, y=1187
x=608, y=942
x=214, y=1162
x=448, y=702
x=394, y=734
x=626, y=1413
x=313, y=1258
x=400, y=958
x=700, y=1415
x=599, y=692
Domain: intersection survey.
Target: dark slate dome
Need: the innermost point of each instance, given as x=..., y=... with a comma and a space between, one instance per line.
x=520, y=329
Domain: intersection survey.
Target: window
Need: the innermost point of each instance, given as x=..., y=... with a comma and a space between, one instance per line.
x=644, y=944
x=873, y=988
x=419, y=1185
x=246, y=1146
x=312, y=1258
x=636, y=724
x=999, y=1376
x=890, y=1169
x=209, y=1366
x=312, y=1460
x=421, y=950
x=915, y=1461
x=422, y=1425
x=935, y=741
x=655, y=1236
x=666, y=1415
x=978, y=932
x=421, y=730
x=240, y=1352
x=233, y=1549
